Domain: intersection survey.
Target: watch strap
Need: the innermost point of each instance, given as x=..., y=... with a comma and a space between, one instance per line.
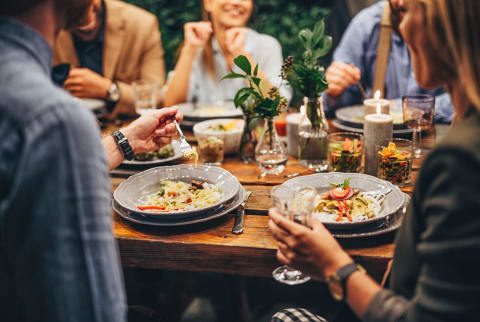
x=342, y=275
x=124, y=145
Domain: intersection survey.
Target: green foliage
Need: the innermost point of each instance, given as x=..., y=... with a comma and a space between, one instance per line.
x=282, y=19
x=251, y=99
x=306, y=75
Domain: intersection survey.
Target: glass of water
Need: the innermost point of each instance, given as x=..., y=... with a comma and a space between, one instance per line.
x=145, y=96
x=418, y=110
x=295, y=203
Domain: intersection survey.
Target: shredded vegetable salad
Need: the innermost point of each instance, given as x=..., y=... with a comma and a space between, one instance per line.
x=180, y=196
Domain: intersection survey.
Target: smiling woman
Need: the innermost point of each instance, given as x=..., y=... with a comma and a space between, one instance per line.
x=209, y=49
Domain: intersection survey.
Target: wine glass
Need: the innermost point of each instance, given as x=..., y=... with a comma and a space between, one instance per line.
x=418, y=112
x=295, y=203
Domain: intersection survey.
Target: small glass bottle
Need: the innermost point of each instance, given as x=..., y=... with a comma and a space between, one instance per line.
x=270, y=152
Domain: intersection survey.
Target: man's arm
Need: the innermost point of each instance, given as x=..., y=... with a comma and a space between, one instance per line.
x=58, y=239
x=152, y=69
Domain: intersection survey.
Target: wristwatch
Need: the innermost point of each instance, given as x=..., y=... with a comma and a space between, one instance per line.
x=123, y=144
x=113, y=93
x=337, y=281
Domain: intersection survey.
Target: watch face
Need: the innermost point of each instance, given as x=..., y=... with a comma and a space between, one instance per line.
x=336, y=288
x=113, y=93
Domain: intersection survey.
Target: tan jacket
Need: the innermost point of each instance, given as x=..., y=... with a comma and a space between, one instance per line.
x=132, y=50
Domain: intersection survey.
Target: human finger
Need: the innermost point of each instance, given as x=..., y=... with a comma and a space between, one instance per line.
x=350, y=71
x=289, y=226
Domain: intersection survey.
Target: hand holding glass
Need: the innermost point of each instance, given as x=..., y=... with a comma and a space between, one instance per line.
x=295, y=203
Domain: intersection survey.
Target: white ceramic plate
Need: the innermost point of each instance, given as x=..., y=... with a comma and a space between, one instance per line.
x=206, y=111
x=321, y=182
x=159, y=222
x=157, y=162
x=147, y=182
x=353, y=116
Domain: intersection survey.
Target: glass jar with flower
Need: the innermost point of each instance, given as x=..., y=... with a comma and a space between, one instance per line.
x=307, y=77
x=270, y=153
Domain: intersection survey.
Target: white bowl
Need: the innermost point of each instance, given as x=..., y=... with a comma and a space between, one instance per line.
x=231, y=139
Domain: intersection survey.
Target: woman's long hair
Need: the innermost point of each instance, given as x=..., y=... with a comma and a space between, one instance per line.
x=455, y=23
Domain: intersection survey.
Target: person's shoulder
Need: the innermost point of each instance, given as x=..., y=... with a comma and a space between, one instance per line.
x=133, y=15
x=368, y=18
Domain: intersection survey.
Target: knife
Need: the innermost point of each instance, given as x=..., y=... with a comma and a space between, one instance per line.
x=238, y=226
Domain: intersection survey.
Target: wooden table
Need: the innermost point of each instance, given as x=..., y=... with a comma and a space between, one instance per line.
x=211, y=246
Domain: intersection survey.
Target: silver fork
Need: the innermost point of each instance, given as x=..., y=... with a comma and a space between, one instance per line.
x=184, y=146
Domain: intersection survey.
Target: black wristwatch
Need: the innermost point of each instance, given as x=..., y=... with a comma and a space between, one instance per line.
x=337, y=281
x=123, y=144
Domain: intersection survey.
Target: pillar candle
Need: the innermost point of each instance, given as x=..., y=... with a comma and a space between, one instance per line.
x=370, y=106
x=377, y=128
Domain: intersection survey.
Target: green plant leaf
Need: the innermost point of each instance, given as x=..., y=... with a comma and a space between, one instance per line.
x=239, y=97
x=255, y=72
x=243, y=63
x=232, y=76
x=318, y=32
x=256, y=80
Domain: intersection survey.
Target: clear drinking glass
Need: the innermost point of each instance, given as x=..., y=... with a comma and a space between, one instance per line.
x=418, y=112
x=295, y=203
x=145, y=96
x=211, y=148
x=345, y=152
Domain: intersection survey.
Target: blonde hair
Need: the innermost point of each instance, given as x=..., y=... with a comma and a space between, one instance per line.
x=453, y=29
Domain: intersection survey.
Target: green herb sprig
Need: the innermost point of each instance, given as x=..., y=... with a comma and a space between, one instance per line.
x=344, y=185
x=305, y=74
x=251, y=99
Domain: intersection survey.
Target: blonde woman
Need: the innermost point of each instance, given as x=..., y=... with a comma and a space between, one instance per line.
x=435, y=270
x=208, y=51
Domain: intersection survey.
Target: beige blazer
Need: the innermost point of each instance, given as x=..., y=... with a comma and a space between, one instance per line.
x=132, y=50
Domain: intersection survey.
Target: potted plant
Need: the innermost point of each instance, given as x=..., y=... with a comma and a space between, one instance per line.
x=269, y=151
x=307, y=76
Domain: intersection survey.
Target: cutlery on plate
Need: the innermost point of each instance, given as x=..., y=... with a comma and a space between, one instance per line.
x=378, y=195
x=184, y=146
x=239, y=215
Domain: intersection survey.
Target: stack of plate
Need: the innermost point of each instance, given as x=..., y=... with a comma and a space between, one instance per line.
x=390, y=217
x=125, y=197
x=199, y=112
x=136, y=164
x=351, y=119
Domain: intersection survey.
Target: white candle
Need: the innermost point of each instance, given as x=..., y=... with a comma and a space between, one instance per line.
x=370, y=105
x=377, y=128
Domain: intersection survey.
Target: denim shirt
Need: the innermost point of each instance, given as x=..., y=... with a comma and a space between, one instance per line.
x=359, y=46
x=58, y=258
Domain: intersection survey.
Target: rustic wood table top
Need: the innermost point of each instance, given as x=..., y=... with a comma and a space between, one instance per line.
x=211, y=246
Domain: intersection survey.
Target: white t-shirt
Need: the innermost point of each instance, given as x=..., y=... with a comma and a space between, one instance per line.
x=264, y=49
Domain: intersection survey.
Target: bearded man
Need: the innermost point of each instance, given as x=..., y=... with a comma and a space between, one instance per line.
x=121, y=45
x=357, y=57
x=58, y=257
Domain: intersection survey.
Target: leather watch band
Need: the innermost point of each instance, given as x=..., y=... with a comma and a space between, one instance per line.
x=337, y=281
x=123, y=144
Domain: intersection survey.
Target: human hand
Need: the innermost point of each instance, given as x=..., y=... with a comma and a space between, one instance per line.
x=340, y=76
x=235, y=40
x=152, y=130
x=197, y=33
x=85, y=83
x=313, y=251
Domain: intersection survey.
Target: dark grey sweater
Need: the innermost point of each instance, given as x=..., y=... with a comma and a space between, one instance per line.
x=436, y=272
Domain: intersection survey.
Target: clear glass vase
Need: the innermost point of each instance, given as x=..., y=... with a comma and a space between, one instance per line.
x=248, y=142
x=313, y=133
x=270, y=153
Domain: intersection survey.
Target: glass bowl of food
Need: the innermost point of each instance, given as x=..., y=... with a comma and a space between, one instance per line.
x=345, y=152
x=211, y=149
x=230, y=130
x=394, y=159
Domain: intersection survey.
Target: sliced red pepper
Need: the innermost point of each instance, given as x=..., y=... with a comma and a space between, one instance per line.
x=151, y=207
x=340, y=208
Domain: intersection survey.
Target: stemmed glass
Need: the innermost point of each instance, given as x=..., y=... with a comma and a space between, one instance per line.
x=418, y=112
x=295, y=203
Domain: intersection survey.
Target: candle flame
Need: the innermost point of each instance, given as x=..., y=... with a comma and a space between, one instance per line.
x=303, y=110
x=377, y=95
